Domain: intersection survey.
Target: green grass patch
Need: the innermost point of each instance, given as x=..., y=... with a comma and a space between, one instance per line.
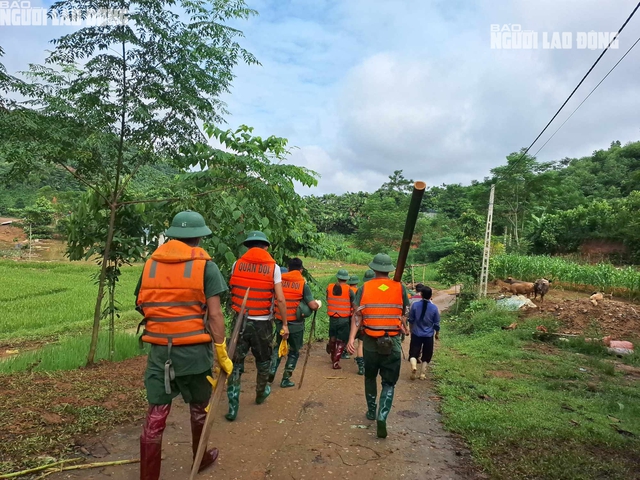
x=531, y=410
x=43, y=300
x=71, y=353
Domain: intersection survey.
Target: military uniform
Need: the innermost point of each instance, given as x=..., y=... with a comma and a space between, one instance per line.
x=298, y=295
x=255, y=270
x=368, y=275
x=381, y=302
x=339, y=309
x=353, y=285
x=172, y=294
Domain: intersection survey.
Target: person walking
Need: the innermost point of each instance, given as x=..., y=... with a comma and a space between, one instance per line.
x=300, y=305
x=368, y=275
x=424, y=319
x=339, y=307
x=255, y=270
x=353, y=285
x=380, y=304
x=179, y=296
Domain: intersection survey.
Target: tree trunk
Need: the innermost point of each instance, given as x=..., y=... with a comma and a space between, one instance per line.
x=97, y=313
x=112, y=319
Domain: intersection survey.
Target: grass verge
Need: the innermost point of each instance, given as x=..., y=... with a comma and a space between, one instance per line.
x=531, y=410
x=44, y=300
x=71, y=353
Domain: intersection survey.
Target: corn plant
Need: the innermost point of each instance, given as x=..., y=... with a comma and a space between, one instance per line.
x=603, y=276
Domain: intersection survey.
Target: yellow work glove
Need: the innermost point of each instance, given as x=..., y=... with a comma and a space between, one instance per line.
x=223, y=358
x=283, y=350
x=319, y=304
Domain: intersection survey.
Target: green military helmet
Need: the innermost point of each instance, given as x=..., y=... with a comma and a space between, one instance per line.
x=382, y=263
x=188, y=224
x=353, y=280
x=342, y=274
x=257, y=236
x=369, y=275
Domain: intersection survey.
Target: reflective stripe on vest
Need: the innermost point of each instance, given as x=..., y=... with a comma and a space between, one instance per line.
x=253, y=270
x=383, y=306
x=293, y=288
x=172, y=296
x=339, y=306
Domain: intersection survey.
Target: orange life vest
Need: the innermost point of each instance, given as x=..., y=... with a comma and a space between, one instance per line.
x=293, y=287
x=172, y=295
x=353, y=288
x=339, y=306
x=383, y=306
x=253, y=270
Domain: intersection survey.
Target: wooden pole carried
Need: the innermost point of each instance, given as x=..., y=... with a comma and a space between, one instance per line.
x=306, y=358
x=410, y=225
x=217, y=393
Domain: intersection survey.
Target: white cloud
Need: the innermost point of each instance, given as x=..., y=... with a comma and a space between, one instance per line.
x=365, y=87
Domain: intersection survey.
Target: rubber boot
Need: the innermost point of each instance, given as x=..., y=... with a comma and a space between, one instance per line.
x=370, y=394
x=263, y=389
x=345, y=355
x=330, y=346
x=337, y=353
x=233, y=394
x=423, y=371
x=360, y=362
x=151, y=441
x=275, y=363
x=386, y=401
x=198, y=416
x=414, y=368
x=289, y=367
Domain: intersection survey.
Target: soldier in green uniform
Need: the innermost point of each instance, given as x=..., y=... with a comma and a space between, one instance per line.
x=380, y=307
x=339, y=308
x=300, y=305
x=368, y=275
x=353, y=285
x=166, y=293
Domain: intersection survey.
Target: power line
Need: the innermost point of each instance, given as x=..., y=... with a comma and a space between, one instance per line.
x=514, y=164
x=587, y=98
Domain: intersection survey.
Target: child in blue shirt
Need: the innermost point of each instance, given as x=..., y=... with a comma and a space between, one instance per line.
x=424, y=319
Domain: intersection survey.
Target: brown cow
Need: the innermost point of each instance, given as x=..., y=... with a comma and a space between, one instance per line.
x=522, y=288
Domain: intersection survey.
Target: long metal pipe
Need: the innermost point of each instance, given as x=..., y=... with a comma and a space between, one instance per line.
x=410, y=225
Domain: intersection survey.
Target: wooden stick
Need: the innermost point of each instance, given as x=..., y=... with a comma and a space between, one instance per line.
x=217, y=393
x=37, y=469
x=306, y=358
x=87, y=466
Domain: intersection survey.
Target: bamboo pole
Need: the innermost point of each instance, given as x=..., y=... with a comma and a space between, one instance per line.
x=217, y=393
x=38, y=469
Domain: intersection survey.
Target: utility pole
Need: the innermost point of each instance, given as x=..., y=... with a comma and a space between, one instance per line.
x=484, y=273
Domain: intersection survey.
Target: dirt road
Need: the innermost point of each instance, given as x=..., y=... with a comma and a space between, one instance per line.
x=317, y=432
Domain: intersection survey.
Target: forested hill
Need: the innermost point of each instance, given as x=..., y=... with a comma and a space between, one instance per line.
x=550, y=207
x=54, y=182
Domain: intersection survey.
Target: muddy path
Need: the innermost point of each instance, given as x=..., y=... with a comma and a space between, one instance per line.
x=317, y=432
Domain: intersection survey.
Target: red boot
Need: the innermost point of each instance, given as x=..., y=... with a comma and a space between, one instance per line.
x=151, y=441
x=198, y=416
x=337, y=354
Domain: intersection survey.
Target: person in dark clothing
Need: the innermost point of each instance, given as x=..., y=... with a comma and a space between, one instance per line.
x=424, y=319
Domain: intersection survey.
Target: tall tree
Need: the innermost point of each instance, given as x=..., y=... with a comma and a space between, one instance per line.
x=123, y=95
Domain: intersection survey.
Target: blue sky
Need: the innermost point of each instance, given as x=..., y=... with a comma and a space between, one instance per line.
x=365, y=87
